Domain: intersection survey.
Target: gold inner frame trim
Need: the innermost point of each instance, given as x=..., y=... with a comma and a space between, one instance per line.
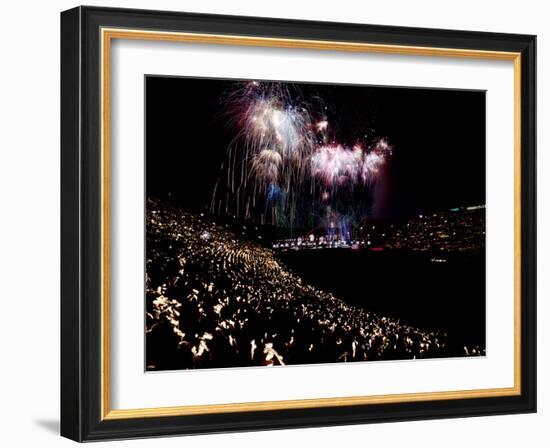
x=107, y=35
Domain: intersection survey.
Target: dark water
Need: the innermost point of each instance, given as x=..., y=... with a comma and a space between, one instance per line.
x=449, y=296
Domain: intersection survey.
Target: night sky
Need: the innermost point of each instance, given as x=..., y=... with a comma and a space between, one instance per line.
x=438, y=136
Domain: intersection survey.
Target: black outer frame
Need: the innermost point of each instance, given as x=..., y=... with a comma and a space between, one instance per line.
x=81, y=223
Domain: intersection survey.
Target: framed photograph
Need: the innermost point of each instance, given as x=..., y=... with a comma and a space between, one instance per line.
x=273, y=224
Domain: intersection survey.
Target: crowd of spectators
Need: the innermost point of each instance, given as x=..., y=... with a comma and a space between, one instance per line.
x=216, y=300
x=458, y=230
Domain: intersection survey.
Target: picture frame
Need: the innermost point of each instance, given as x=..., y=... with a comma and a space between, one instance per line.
x=87, y=34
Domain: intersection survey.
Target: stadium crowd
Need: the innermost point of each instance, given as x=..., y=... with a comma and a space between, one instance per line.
x=216, y=300
x=458, y=230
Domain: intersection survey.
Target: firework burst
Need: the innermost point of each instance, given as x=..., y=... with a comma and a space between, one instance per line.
x=281, y=161
x=268, y=158
x=336, y=166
